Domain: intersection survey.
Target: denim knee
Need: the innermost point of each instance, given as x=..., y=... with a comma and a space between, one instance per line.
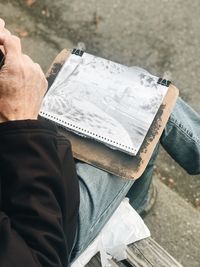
x=181, y=137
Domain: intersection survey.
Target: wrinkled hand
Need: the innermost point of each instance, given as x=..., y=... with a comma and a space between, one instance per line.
x=22, y=82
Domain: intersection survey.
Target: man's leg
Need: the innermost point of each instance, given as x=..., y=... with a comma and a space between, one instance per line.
x=139, y=193
x=181, y=139
x=100, y=195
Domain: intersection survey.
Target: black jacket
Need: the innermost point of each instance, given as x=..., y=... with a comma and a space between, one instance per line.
x=39, y=196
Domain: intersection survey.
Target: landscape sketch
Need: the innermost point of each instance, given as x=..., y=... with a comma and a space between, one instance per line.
x=104, y=100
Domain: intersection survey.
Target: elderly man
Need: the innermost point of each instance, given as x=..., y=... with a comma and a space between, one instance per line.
x=48, y=213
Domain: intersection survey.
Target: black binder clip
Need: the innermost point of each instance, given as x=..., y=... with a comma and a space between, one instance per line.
x=77, y=52
x=164, y=82
x=2, y=59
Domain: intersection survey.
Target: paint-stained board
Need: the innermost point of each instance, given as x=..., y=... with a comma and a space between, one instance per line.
x=113, y=161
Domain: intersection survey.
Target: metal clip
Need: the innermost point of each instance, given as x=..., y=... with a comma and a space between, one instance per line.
x=77, y=52
x=164, y=82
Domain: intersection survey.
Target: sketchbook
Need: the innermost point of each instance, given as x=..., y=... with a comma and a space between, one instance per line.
x=103, y=100
x=96, y=153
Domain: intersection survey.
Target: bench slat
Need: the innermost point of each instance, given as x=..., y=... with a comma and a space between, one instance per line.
x=149, y=253
x=143, y=253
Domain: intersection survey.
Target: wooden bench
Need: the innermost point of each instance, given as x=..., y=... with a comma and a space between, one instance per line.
x=143, y=253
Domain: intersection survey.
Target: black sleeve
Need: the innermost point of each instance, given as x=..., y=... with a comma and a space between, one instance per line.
x=39, y=195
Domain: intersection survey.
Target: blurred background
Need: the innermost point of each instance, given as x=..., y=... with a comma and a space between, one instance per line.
x=158, y=35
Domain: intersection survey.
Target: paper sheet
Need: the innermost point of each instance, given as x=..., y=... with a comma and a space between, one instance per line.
x=104, y=100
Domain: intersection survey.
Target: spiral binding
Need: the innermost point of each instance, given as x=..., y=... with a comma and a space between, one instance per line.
x=71, y=126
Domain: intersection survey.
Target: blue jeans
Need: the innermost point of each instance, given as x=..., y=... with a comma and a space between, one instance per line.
x=101, y=192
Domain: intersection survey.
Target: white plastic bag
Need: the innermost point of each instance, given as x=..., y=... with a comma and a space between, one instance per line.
x=124, y=227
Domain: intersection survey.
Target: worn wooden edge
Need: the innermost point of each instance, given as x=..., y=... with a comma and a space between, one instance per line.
x=160, y=123
x=105, y=158
x=56, y=65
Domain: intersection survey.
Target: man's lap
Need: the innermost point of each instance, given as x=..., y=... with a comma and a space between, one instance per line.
x=101, y=192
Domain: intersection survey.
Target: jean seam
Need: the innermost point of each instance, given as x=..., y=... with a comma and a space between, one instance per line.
x=99, y=219
x=184, y=130
x=110, y=205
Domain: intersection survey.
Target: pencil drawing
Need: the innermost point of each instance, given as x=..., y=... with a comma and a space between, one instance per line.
x=107, y=99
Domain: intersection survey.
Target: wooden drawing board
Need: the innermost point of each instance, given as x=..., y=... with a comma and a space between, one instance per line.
x=103, y=157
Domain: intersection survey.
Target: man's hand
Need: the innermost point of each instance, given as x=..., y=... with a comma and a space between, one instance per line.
x=22, y=82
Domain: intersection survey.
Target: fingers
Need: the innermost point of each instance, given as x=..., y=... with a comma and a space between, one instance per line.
x=36, y=69
x=43, y=80
x=3, y=30
x=2, y=24
x=2, y=27
x=6, y=31
x=11, y=44
x=27, y=59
